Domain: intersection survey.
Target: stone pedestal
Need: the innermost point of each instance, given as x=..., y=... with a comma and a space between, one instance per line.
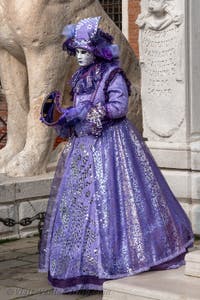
x=169, y=58
x=192, y=267
x=21, y=198
x=162, y=285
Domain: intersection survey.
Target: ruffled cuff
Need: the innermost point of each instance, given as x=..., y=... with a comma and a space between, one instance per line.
x=95, y=116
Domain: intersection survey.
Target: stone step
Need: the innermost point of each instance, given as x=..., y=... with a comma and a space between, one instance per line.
x=192, y=266
x=158, y=285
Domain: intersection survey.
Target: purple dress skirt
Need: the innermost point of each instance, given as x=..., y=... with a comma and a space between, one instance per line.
x=110, y=214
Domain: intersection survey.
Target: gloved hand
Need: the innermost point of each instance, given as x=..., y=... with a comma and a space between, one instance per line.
x=75, y=114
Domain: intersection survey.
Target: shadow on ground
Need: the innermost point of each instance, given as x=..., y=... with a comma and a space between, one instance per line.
x=19, y=277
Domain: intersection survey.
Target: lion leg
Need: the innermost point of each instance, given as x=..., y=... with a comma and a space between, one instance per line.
x=14, y=81
x=46, y=72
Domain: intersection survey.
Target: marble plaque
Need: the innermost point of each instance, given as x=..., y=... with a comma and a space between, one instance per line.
x=161, y=55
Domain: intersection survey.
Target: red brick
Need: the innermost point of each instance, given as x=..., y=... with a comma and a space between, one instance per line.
x=133, y=11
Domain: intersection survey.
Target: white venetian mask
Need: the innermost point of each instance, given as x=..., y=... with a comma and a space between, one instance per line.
x=84, y=57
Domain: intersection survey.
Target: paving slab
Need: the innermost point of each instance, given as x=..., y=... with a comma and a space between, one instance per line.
x=30, y=250
x=29, y=258
x=192, y=267
x=34, y=285
x=20, y=279
x=19, y=270
x=29, y=242
x=4, y=265
x=11, y=255
x=76, y=296
x=14, y=292
x=158, y=285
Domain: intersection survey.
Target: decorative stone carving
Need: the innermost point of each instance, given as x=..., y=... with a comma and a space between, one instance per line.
x=32, y=64
x=170, y=67
x=161, y=55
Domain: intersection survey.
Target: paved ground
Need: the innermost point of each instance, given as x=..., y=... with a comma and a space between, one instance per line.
x=19, y=278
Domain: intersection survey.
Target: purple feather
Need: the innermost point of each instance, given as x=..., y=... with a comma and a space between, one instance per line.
x=69, y=31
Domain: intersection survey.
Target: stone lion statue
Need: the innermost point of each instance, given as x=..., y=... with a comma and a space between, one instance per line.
x=32, y=64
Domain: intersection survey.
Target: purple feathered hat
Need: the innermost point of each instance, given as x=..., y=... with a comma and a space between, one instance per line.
x=86, y=35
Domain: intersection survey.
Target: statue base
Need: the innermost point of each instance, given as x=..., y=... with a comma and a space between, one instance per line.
x=20, y=200
x=180, y=167
x=192, y=267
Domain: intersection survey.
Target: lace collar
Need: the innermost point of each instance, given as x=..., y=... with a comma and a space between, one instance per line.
x=85, y=80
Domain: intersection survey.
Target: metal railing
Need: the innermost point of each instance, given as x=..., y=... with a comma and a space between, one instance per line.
x=114, y=10
x=9, y=222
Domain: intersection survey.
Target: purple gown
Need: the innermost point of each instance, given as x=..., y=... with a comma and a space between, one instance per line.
x=111, y=213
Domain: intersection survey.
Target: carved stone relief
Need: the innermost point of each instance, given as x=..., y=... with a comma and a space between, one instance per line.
x=32, y=64
x=161, y=54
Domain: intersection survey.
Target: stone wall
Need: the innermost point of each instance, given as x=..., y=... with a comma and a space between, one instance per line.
x=22, y=198
x=169, y=59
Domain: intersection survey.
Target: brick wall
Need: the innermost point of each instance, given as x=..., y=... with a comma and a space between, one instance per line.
x=133, y=11
x=3, y=120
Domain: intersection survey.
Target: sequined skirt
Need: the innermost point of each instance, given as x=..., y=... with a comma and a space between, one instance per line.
x=111, y=213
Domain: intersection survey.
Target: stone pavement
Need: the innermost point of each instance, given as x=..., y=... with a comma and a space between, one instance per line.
x=157, y=285
x=19, y=278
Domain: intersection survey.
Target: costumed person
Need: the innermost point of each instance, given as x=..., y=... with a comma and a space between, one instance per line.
x=111, y=213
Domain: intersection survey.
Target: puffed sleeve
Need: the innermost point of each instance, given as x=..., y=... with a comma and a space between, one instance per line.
x=117, y=105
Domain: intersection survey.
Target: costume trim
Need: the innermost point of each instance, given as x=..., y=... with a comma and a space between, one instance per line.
x=86, y=79
x=87, y=279
x=111, y=76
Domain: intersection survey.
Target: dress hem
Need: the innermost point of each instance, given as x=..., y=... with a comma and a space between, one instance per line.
x=94, y=286
x=77, y=288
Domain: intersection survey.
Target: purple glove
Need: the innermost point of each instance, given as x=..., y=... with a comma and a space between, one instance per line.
x=75, y=114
